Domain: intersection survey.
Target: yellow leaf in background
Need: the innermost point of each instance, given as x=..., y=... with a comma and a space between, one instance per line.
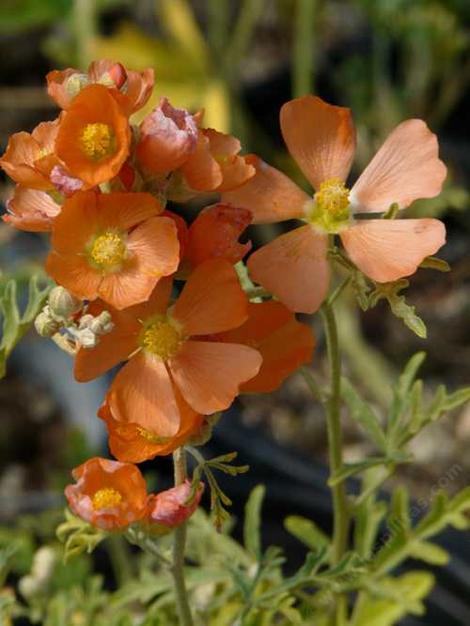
x=179, y=21
x=216, y=102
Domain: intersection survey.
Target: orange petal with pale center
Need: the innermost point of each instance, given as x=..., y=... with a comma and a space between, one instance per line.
x=270, y=195
x=294, y=268
x=212, y=300
x=142, y=393
x=320, y=137
x=405, y=168
x=153, y=250
x=386, y=250
x=209, y=374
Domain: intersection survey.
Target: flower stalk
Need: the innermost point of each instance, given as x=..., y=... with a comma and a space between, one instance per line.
x=179, y=543
x=335, y=445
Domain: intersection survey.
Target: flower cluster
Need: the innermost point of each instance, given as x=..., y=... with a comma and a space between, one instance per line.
x=100, y=185
x=140, y=286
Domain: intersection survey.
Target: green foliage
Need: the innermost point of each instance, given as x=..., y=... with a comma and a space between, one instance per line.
x=206, y=467
x=78, y=536
x=14, y=323
x=392, y=599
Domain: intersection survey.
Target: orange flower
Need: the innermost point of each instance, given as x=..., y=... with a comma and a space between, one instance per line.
x=107, y=494
x=27, y=159
x=129, y=88
x=282, y=341
x=216, y=165
x=169, y=354
x=167, y=137
x=113, y=246
x=94, y=136
x=321, y=138
x=130, y=442
x=31, y=210
x=168, y=509
x=214, y=234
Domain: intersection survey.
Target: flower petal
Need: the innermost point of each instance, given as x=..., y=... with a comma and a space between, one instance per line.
x=405, y=168
x=284, y=344
x=294, y=268
x=74, y=273
x=142, y=393
x=155, y=246
x=212, y=300
x=209, y=374
x=31, y=210
x=270, y=195
x=320, y=137
x=215, y=232
x=386, y=250
x=153, y=253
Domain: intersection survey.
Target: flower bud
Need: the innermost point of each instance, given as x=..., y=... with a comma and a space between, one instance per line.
x=171, y=508
x=86, y=338
x=102, y=325
x=75, y=83
x=45, y=324
x=115, y=77
x=63, y=304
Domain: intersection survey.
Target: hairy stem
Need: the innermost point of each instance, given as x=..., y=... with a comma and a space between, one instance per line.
x=177, y=568
x=335, y=445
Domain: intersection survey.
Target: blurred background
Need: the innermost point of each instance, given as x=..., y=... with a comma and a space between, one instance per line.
x=241, y=60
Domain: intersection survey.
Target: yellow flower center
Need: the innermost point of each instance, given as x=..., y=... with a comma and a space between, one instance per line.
x=162, y=337
x=108, y=251
x=146, y=434
x=97, y=141
x=106, y=498
x=330, y=207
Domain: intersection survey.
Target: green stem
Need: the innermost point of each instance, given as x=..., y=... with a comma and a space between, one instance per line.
x=177, y=569
x=120, y=561
x=303, y=52
x=84, y=23
x=335, y=447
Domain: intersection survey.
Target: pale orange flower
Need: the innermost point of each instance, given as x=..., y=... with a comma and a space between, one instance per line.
x=321, y=138
x=31, y=210
x=130, y=442
x=94, y=136
x=108, y=494
x=27, y=159
x=284, y=343
x=114, y=246
x=169, y=353
x=130, y=89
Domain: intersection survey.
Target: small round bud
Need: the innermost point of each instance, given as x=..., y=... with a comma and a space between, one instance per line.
x=86, y=338
x=115, y=77
x=45, y=324
x=85, y=321
x=102, y=325
x=62, y=303
x=75, y=83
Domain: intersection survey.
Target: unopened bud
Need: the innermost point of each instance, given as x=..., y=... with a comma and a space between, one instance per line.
x=102, y=325
x=45, y=324
x=63, y=304
x=75, y=83
x=115, y=77
x=86, y=338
